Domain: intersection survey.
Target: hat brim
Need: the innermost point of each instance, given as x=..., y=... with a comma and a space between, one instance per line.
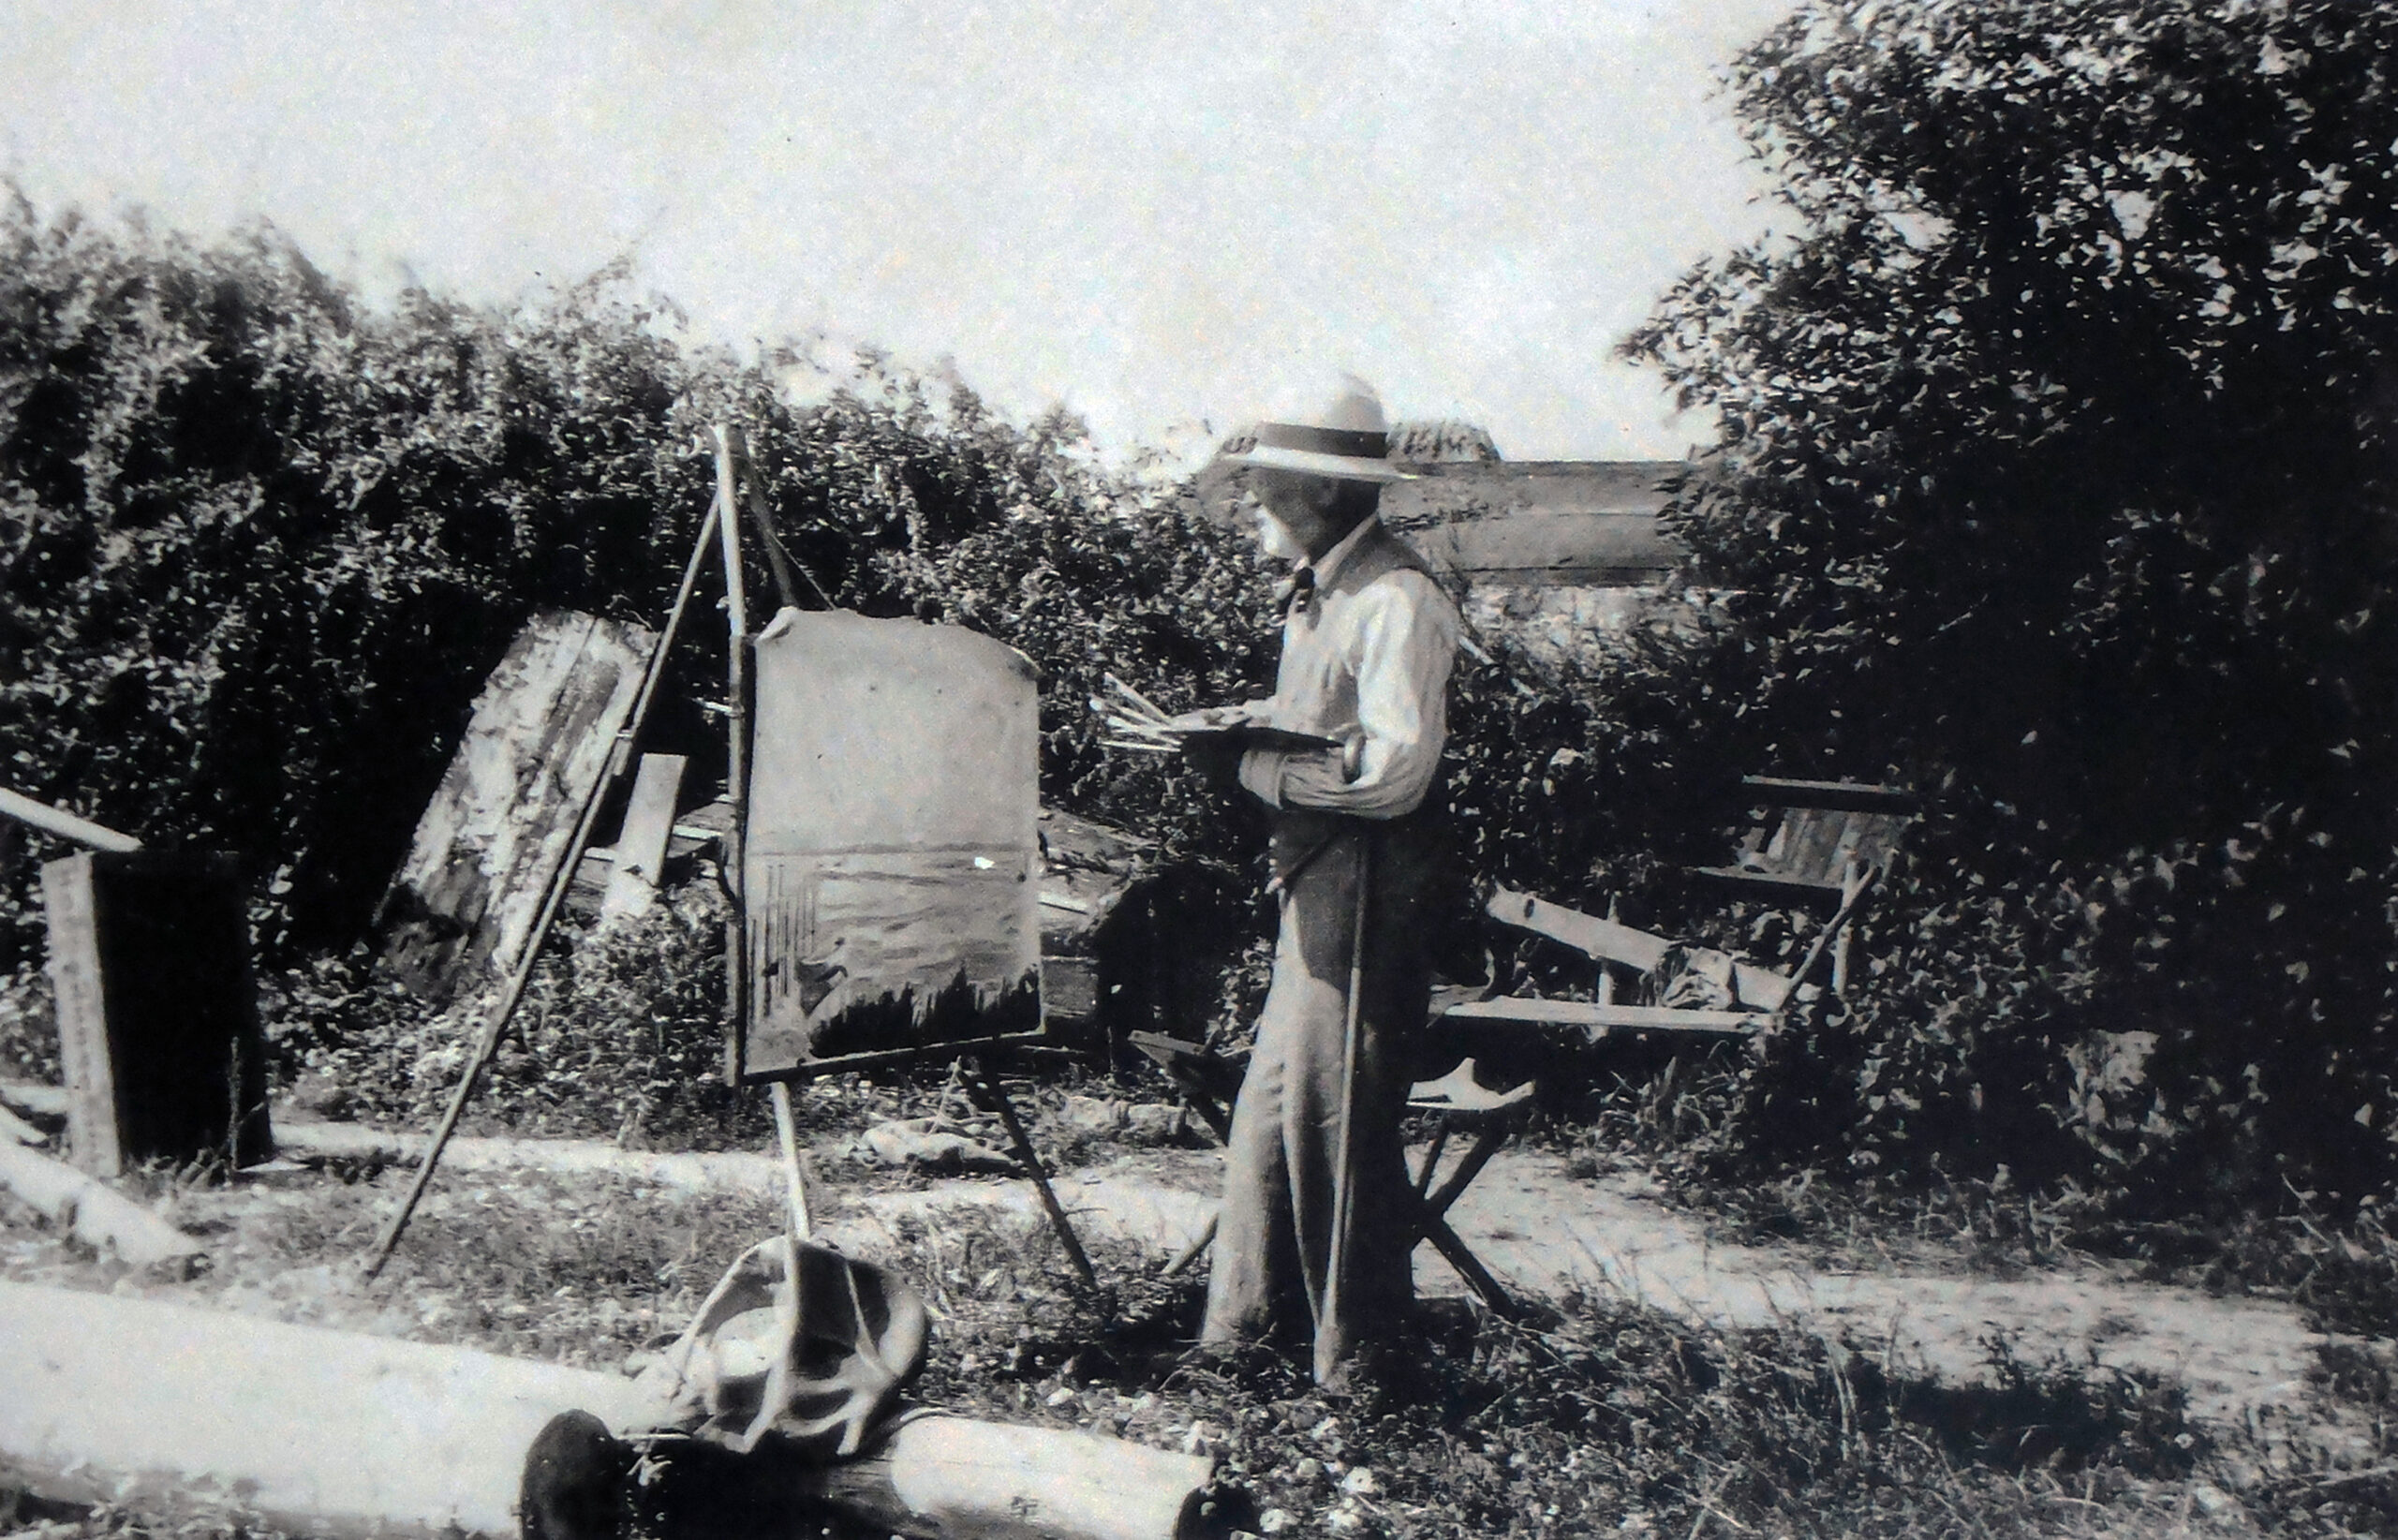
x=1343, y=467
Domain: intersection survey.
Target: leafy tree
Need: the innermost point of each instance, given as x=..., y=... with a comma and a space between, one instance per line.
x=2056, y=476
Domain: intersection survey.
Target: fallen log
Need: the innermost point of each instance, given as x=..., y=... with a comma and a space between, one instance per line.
x=178, y=1411
x=95, y=1213
x=344, y=1437
x=946, y=1478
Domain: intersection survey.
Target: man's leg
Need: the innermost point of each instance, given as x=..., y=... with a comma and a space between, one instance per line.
x=1318, y=1081
x=1274, y=1230
x=1398, y=978
x=1253, y=1278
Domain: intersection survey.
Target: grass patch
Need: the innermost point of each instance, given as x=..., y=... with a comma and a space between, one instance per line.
x=1604, y=1417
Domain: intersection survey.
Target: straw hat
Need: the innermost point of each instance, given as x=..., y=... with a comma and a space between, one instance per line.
x=797, y=1341
x=1334, y=428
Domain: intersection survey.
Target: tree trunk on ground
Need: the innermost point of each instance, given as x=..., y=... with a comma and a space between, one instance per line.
x=168, y=1408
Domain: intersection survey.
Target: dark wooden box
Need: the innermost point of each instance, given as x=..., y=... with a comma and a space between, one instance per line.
x=157, y=1011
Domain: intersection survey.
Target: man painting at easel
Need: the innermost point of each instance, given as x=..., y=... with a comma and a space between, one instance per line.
x=1314, y=1232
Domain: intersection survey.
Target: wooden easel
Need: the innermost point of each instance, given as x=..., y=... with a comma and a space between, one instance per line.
x=786, y=572
x=720, y=527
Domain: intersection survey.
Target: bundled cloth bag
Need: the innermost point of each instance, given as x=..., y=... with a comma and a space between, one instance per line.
x=796, y=1340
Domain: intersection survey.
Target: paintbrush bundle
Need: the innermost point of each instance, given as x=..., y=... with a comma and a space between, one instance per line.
x=1135, y=722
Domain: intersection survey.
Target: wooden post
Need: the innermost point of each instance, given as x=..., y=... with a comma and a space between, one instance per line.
x=1851, y=885
x=1606, y=968
x=736, y=840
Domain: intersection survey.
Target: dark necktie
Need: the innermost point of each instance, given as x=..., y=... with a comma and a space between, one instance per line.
x=1296, y=592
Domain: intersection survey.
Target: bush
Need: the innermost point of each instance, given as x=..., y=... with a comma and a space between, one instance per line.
x=2054, y=480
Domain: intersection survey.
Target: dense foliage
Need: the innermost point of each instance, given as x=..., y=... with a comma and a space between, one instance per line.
x=262, y=545
x=2055, y=478
x=263, y=540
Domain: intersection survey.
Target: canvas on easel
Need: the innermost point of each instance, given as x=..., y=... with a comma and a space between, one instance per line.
x=890, y=858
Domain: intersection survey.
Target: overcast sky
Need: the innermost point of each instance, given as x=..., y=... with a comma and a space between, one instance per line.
x=1150, y=212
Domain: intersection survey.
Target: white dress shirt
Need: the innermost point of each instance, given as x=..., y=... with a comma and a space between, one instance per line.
x=1365, y=660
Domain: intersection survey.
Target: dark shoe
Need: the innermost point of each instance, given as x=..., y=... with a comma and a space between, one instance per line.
x=574, y=1481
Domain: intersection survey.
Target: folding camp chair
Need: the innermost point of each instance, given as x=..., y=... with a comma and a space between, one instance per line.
x=1459, y=1106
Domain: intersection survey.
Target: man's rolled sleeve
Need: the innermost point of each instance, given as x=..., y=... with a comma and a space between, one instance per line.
x=1407, y=640
x=1261, y=775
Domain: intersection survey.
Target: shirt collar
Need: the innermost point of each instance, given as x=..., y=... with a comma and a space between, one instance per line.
x=1332, y=560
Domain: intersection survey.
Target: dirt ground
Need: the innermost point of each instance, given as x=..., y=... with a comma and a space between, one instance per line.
x=578, y=1253
x=1548, y=1232
x=1545, y=1232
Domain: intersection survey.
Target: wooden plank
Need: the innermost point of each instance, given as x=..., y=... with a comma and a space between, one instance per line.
x=1587, y=1014
x=1843, y=795
x=1603, y=940
x=59, y=821
x=1774, y=884
x=1609, y=941
x=543, y=732
x=640, y=844
x=92, y=1211
x=1811, y=845
x=69, y=901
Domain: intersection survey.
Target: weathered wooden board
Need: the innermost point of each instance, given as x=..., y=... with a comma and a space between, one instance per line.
x=542, y=736
x=640, y=844
x=1608, y=941
x=893, y=848
x=157, y=1013
x=1585, y=1013
x=1603, y=939
x=1538, y=523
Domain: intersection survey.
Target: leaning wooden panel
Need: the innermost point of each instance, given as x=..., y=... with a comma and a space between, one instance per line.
x=892, y=843
x=542, y=733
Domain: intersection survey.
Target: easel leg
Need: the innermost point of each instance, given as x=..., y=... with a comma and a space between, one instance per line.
x=1192, y=1252
x=1031, y=1159
x=794, y=1175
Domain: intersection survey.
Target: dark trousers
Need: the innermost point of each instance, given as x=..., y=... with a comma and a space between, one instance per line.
x=1274, y=1232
